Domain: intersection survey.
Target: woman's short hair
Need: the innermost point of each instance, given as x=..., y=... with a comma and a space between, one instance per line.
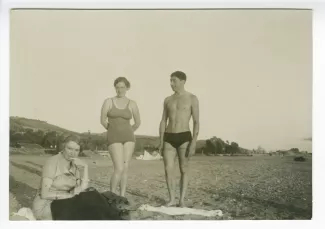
x=72, y=138
x=124, y=80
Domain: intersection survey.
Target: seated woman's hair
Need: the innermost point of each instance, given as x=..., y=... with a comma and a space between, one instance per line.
x=124, y=80
x=72, y=138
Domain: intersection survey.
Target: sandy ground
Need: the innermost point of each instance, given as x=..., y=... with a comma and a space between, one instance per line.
x=259, y=187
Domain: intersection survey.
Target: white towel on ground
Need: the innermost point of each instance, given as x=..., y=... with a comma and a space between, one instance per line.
x=180, y=211
x=25, y=212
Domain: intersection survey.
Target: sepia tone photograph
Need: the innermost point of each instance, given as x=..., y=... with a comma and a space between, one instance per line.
x=160, y=114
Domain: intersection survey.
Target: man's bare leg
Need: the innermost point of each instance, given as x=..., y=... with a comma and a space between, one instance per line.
x=184, y=169
x=169, y=155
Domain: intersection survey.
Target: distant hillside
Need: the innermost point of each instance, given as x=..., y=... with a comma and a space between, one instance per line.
x=25, y=130
x=19, y=124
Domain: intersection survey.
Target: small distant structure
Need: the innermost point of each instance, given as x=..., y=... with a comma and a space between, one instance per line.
x=103, y=153
x=149, y=156
x=301, y=158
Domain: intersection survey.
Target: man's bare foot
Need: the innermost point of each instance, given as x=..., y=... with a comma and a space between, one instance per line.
x=170, y=203
x=181, y=204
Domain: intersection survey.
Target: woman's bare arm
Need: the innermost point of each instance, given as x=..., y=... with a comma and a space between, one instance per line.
x=84, y=181
x=103, y=114
x=136, y=115
x=48, y=174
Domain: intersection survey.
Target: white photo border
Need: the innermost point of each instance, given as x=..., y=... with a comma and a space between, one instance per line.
x=318, y=8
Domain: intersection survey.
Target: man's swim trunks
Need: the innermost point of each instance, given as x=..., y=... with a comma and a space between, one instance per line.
x=178, y=139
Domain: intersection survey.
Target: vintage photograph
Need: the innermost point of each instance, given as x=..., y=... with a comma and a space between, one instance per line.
x=160, y=114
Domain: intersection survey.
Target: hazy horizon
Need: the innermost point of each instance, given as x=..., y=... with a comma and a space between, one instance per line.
x=250, y=69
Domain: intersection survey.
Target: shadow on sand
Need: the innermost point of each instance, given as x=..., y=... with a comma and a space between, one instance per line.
x=293, y=210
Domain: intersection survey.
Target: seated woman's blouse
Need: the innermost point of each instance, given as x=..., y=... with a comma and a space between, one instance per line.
x=64, y=180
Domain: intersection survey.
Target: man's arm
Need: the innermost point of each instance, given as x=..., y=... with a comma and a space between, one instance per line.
x=163, y=123
x=195, y=116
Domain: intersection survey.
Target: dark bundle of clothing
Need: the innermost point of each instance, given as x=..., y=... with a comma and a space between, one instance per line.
x=91, y=205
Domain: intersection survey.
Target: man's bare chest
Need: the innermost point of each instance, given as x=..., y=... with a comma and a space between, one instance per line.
x=181, y=104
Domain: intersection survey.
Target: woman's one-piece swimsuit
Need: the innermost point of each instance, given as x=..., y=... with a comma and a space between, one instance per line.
x=119, y=128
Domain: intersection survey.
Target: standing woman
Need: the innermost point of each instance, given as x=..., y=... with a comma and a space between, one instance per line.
x=116, y=114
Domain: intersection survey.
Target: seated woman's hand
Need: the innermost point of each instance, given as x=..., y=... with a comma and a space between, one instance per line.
x=90, y=189
x=76, y=191
x=79, y=162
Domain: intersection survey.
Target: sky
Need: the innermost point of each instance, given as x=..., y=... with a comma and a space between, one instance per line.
x=250, y=69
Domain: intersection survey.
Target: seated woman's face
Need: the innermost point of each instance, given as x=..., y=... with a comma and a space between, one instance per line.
x=71, y=150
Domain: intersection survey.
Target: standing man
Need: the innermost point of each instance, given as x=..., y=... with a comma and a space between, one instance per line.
x=175, y=135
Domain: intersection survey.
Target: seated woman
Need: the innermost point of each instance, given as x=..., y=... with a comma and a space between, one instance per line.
x=61, y=178
x=64, y=192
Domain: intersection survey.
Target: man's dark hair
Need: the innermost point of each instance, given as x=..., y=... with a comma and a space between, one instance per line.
x=180, y=75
